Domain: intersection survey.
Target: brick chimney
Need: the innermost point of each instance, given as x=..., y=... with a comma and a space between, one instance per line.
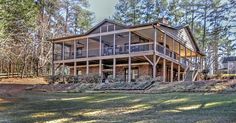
x=164, y=21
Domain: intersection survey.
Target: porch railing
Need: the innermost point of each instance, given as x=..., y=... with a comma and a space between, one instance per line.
x=141, y=47
x=167, y=52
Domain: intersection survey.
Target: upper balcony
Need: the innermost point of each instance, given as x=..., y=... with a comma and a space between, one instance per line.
x=125, y=43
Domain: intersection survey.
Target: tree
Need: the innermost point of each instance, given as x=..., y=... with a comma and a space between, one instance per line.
x=26, y=25
x=128, y=12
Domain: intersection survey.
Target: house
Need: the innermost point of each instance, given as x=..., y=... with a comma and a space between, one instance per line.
x=113, y=49
x=228, y=65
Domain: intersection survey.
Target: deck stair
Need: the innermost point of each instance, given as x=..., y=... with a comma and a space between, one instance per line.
x=191, y=75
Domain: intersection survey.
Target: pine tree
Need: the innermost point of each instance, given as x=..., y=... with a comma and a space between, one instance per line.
x=128, y=12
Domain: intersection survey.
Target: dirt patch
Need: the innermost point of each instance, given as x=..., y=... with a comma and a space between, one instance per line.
x=28, y=81
x=10, y=90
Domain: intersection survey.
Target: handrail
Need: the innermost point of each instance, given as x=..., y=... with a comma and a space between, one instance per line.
x=141, y=44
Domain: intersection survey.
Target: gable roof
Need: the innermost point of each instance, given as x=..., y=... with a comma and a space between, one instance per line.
x=103, y=22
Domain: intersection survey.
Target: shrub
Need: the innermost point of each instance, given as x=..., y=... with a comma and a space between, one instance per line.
x=90, y=78
x=118, y=78
x=144, y=78
x=53, y=79
x=69, y=79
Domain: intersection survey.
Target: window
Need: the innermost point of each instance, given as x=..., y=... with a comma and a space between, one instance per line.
x=79, y=72
x=110, y=28
x=134, y=73
x=104, y=28
x=79, y=51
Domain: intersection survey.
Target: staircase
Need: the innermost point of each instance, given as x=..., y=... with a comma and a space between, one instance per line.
x=191, y=75
x=192, y=72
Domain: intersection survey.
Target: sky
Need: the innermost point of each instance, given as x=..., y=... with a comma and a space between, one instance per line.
x=102, y=8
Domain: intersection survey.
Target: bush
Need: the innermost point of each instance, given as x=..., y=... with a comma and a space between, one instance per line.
x=54, y=79
x=118, y=78
x=145, y=78
x=69, y=79
x=90, y=78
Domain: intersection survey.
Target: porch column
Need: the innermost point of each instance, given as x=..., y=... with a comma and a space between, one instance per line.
x=100, y=46
x=155, y=42
x=74, y=68
x=164, y=70
x=129, y=42
x=114, y=68
x=172, y=72
x=154, y=66
x=100, y=67
x=63, y=57
x=87, y=52
x=178, y=73
x=63, y=51
x=173, y=44
x=154, y=55
x=129, y=70
x=179, y=52
x=87, y=67
x=74, y=49
x=165, y=44
x=129, y=65
x=114, y=44
x=63, y=71
x=185, y=60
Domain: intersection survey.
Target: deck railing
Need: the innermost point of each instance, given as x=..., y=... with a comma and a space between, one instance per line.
x=124, y=49
x=166, y=51
x=141, y=47
x=82, y=54
x=93, y=53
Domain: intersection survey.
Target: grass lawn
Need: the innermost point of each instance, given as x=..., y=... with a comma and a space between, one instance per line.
x=118, y=107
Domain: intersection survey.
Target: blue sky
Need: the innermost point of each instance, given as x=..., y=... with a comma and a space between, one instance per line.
x=102, y=8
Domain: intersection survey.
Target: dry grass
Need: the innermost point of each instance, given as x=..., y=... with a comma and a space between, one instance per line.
x=28, y=81
x=117, y=107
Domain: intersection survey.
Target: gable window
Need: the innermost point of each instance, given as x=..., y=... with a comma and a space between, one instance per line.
x=104, y=28
x=111, y=28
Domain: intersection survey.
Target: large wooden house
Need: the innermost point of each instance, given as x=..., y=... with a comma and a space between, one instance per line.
x=113, y=49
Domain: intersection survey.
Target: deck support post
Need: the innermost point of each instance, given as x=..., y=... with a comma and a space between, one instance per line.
x=114, y=68
x=178, y=73
x=154, y=66
x=100, y=67
x=87, y=67
x=185, y=57
x=74, y=49
x=172, y=72
x=129, y=70
x=74, y=58
x=63, y=57
x=129, y=65
x=164, y=70
x=74, y=68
